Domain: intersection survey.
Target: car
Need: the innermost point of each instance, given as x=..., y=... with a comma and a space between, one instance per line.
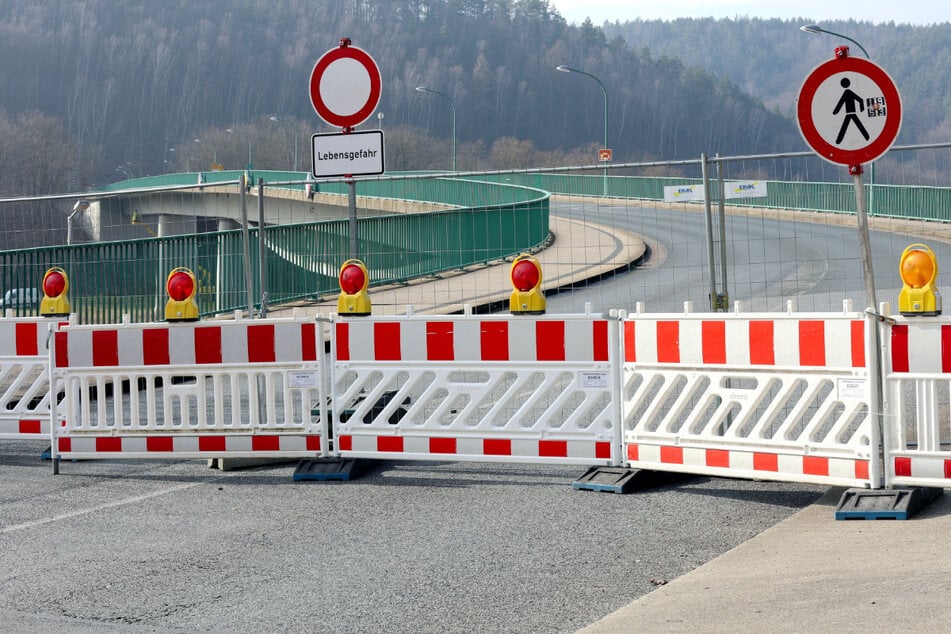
x=20, y=298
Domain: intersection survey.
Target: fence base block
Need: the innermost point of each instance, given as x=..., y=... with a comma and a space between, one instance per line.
x=607, y=479
x=325, y=469
x=893, y=504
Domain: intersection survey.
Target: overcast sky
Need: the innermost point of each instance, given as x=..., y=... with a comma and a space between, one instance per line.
x=877, y=11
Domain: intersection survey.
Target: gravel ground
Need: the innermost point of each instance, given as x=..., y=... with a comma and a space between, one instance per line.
x=406, y=547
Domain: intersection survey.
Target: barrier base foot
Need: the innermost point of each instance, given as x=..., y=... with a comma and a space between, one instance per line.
x=607, y=479
x=884, y=504
x=47, y=453
x=325, y=469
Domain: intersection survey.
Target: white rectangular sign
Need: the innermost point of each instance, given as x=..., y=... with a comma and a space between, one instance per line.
x=353, y=154
x=745, y=189
x=734, y=189
x=683, y=193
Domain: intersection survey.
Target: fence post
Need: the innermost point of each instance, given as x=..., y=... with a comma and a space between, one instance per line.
x=262, y=250
x=246, y=245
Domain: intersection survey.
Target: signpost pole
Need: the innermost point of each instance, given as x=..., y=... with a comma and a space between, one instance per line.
x=861, y=213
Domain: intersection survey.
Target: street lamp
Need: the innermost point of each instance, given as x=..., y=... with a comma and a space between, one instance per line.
x=604, y=91
x=452, y=105
x=816, y=30
x=78, y=208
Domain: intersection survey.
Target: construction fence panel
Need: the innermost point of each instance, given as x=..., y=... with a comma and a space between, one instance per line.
x=765, y=396
x=241, y=388
x=917, y=379
x=24, y=377
x=494, y=388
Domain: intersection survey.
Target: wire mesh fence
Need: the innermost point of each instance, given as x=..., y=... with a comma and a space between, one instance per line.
x=795, y=241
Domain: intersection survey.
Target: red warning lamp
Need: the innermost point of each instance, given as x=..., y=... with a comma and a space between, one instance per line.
x=180, y=286
x=354, y=278
x=55, y=302
x=527, y=298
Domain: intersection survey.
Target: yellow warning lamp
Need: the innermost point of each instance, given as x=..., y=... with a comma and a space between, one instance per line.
x=919, y=271
x=354, y=280
x=55, y=302
x=527, y=298
x=181, y=286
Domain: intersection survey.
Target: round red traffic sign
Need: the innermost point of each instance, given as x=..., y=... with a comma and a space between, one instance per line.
x=345, y=86
x=849, y=111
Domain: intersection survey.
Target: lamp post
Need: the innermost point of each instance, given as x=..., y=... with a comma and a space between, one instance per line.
x=604, y=91
x=452, y=105
x=78, y=208
x=814, y=29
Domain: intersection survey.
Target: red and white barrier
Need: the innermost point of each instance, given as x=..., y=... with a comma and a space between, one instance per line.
x=206, y=389
x=481, y=388
x=24, y=378
x=766, y=396
x=917, y=420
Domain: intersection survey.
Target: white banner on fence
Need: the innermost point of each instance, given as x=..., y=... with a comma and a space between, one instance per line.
x=735, y=189
x=683, y=193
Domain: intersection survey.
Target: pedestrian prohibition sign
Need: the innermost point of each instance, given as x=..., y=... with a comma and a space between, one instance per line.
x=849, y=110
x=345, y=86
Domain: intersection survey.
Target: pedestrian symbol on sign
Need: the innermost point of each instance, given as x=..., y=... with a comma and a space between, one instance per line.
x=849, y=101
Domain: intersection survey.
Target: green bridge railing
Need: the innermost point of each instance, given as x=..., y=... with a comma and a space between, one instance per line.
x=112, y=279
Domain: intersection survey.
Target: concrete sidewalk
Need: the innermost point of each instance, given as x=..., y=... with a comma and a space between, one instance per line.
x=811, y=573
x=580, y=251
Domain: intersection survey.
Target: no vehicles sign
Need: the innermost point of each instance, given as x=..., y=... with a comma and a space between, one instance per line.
x=849, y=111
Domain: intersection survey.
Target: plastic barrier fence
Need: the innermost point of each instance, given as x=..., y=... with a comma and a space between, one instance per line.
x=482, y=388
x=917, y=422
x=24, y=378
x=204, y=389
x=765, y=396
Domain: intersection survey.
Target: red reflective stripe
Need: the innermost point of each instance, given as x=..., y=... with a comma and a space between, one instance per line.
x=762, y=349
x=212, y=443
x=553, y=448
x=110, y=445
x=814, y=465
x=713, y=336
x=946, y=349
x=313, y=443
x=343, y=341
x=668, y=342
x=903, y=467
x=261, y=343
x=812, y=343
x=30, y=427
x=672, y=455
x=160, y=444
x=600, y=337
x=61, y=341
x=442, y=445
x=494, y=339
x=105, y=348
x=630, y=343
x=858, y=344
x=602, y=450
x=26, y=340
x=265, y=443
x=386, y=341
x=765, y=462
x=550, y=340
x=497, y=447
x=440, y=341
x=345, y=443
x=208, y=346
x=632, y=453
x=155, y=346
x=308, y=342
x=861, y=469
x=718, y=458
x=900, y=348
x=947, y=468
x=393, y=444
x=65, y=445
